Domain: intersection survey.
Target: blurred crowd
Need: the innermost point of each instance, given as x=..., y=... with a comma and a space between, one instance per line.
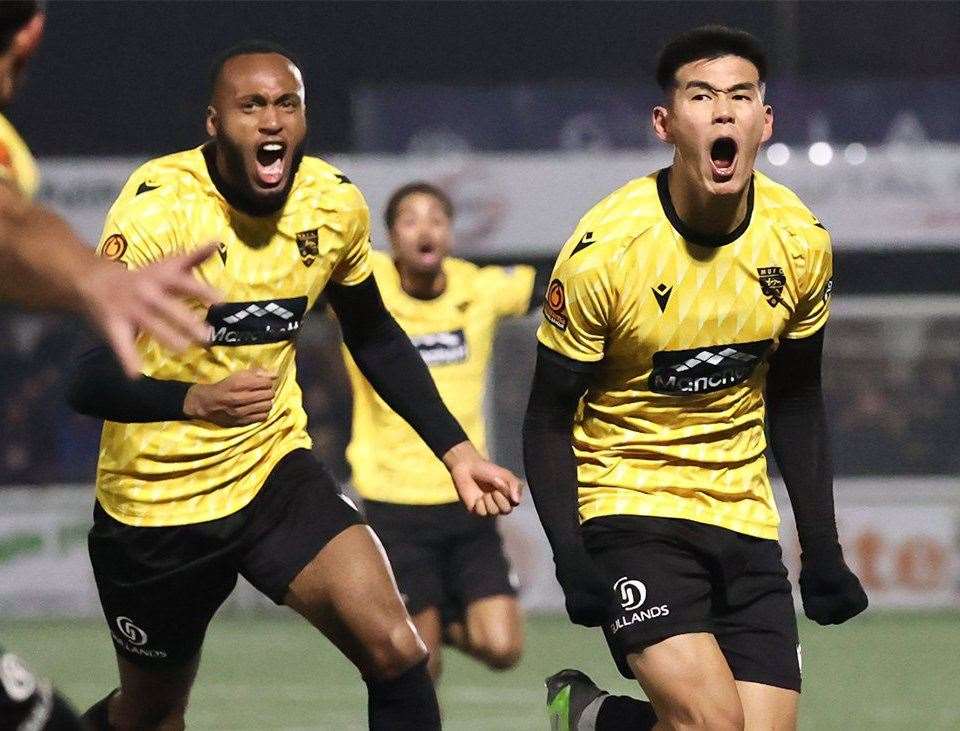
x=892, y=394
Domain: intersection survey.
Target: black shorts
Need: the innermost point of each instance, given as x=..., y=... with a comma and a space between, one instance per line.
x=442, y=555
x=671, y=576
x=160, y=586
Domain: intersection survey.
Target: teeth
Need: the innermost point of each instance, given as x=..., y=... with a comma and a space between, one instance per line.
x=272, y=147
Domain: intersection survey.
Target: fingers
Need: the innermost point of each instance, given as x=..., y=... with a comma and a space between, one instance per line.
x=122, y=340
x=170, y=322
x=503, y=502
x=179, y=278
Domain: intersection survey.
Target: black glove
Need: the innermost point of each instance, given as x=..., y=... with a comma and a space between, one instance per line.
x=831, y=592
x=588, y=598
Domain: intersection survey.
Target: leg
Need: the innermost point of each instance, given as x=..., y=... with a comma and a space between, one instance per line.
x=348, y=593
x=430, y=629
x=147, y=699
x=767, y=708
x=492, y=631
x=689, y=683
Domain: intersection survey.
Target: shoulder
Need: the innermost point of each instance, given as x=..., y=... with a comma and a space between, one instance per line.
x=615, y=225
x=785, y=210
x=163, y=182
x=332, y=188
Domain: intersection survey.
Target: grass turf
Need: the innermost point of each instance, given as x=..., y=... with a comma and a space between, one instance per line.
x=881, y=671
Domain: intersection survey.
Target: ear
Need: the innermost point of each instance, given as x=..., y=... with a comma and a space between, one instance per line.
x=211, y=121
x=767, y=123
x=661, y=124
x=27, y=39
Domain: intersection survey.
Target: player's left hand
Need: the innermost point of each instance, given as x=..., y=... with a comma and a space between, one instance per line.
x=484, y=488
x=831, y=592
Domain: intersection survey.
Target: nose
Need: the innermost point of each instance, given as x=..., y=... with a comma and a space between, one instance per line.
x=722, y=110
x=270, y=121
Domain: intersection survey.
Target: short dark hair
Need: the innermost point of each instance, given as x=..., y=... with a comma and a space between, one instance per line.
x=14, y=14
x=246, y=48
x=419, y=186
x=707, y=42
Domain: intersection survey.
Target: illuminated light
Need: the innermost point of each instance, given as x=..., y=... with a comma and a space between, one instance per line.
x=820, y=153
x=778, y=154
x=855, y=153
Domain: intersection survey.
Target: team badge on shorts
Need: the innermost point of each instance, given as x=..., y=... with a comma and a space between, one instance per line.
x=772, y=282
x=555, y=306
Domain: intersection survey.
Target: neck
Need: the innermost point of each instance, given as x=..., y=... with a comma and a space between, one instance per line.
x=422, y=285
x=709, y=214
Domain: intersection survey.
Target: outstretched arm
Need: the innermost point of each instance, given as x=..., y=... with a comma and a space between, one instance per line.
x=388, y=360
x=800, y=441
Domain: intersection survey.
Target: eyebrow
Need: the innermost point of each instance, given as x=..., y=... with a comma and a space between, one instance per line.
x=742, y=86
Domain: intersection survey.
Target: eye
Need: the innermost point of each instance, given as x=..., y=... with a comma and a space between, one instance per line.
x=249, y=106
x=288, y=104
x=742, y=97
x=700, y=97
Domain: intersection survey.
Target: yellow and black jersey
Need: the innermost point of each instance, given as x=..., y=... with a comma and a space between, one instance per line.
x=17, y=165
x=454, y=334
x=681, y=330
x=270, y=270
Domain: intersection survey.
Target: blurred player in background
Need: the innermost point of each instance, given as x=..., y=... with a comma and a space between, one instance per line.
x=205, y=468
x=449, y=565
x=683, y=305
x=46, y=265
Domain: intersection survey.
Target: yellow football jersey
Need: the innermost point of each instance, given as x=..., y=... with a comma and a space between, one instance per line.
x=17, y=165
x=672, y=424
x=270, y=270
x=454, y=334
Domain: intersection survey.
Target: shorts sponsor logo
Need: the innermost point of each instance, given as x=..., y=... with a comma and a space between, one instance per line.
x=129, y=630
x=705, y=370
x=132, y=639
x=632, y=594
x=443, y=348
x=555, y=306
x=255, y=323
x=18, y=682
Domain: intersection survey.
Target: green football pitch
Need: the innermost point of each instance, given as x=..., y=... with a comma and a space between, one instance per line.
x=880, y=671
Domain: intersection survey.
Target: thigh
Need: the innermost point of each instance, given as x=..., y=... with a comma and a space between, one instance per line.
x=757, y=627
x=766, y=708
x=348, y=593
x=159, y=587
x=475, y=568
x=297, y=512
x=688, y=681
x=412, y=538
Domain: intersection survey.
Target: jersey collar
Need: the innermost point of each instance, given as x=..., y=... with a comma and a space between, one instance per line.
x=691, y=235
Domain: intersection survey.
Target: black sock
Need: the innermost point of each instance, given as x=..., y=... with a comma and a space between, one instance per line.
x=623, y=713
x=96, y=717
x=406, y=703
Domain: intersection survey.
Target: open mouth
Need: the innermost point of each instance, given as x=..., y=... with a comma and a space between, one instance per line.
x=270, y=163
x=723, y=158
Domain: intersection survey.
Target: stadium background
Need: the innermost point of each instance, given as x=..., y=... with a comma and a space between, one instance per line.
x=528, y=113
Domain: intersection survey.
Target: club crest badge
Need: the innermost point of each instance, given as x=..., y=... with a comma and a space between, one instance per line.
x=772, y=282
x=307, y=244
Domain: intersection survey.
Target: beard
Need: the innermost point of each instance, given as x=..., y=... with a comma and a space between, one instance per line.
x=242, y=193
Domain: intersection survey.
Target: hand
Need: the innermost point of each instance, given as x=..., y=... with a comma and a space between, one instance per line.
x=587, y=596
x=120, y=303
x=485, y=488
x=238, y=400
x=831, y=592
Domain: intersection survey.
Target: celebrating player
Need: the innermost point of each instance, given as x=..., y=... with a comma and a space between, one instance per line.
x=205, y=467
x=684, y=304
x=45, y=264
x=449, y=564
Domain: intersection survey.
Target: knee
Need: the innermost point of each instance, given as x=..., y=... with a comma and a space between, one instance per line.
x=703, y=714
x=500, y=651
x=394, y=650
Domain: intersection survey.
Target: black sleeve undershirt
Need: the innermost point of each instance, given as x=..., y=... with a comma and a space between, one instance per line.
x=800, y=439
x=98, y=387
x=392, y=365
x=551, y=469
